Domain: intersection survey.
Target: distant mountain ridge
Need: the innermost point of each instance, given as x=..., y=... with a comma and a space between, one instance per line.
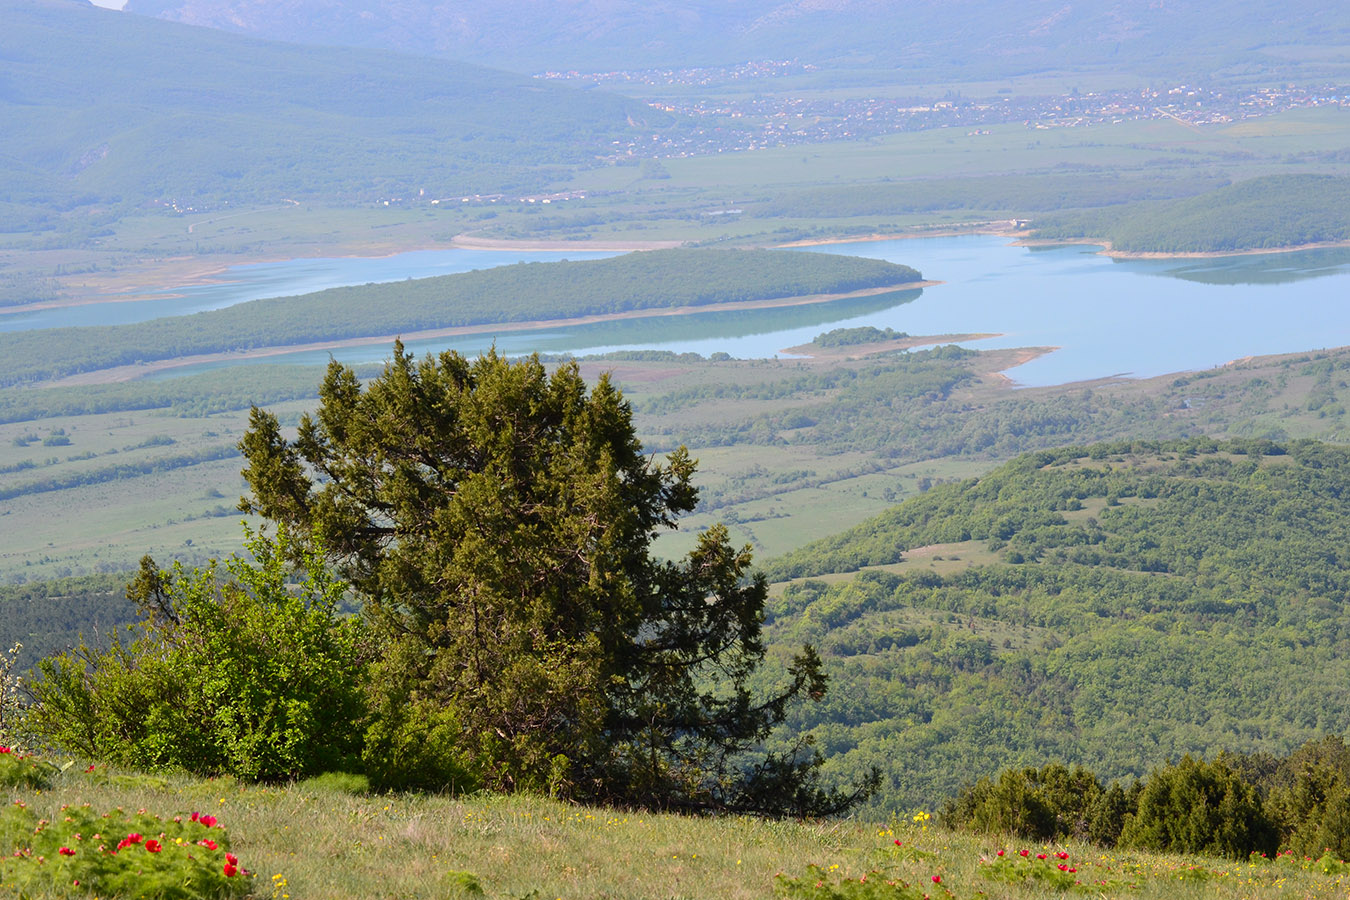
x=950, y=37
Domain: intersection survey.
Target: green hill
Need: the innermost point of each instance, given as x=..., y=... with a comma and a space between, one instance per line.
x=105, y=109
x=1266, y=213
x=1115, y=606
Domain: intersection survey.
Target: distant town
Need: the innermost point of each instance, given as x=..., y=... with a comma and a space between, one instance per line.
x=778, y=120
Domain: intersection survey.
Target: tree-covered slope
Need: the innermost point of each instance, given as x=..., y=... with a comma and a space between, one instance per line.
x=1266, y=213
x=1115, y=606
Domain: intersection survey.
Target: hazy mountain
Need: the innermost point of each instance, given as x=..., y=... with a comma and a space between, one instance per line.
x=102, y=107
x=956, y=37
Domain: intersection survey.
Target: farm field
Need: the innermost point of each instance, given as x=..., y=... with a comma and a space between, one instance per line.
x=776, y=487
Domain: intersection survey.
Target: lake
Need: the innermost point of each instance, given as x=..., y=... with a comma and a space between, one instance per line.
x=1107, y=318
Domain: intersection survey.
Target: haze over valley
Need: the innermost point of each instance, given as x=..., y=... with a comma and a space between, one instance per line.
x=1007, y=342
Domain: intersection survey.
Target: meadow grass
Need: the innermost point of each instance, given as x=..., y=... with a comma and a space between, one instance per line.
x=310, y=841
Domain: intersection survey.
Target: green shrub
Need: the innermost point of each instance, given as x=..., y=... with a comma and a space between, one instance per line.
x=130, y=856
x=1049, y=803
x=1308, y=793
x=413, y=743
x=1200, y=807
x=236, y=675
x=20, y=770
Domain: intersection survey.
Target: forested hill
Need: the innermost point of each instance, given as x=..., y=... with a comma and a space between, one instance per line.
x=1118, y=606
x=664, y=279
x=1266, y=213
x=100, y=107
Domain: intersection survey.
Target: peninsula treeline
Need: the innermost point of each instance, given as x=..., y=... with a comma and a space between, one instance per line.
x=664, y=279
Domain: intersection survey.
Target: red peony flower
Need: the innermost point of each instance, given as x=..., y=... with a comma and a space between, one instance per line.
x=66, y=851
x=937, y=879
x=153, y=846
x=230, y=870
x=1000, y=853
x=207, y=843
x=1026, y=852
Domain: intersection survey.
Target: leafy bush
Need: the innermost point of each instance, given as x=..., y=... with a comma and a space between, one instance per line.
x=129, y=856
x=1044, y=804
x=21, y=770
x=235, y=675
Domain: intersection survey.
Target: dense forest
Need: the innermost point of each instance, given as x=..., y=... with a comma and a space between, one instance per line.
x=1260, y=214
x=659, y=279
x=1116, y=606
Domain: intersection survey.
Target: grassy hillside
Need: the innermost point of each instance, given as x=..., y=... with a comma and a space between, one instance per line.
x=311, y=840
x=1260, y=214
x=107, y=109
x=1116, y=606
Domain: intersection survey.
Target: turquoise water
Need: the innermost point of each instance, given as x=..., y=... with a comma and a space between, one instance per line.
x=1136, y=318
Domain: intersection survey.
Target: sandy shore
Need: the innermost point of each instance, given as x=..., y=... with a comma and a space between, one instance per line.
x=1108, y=250
x=1006, y=229
x=471, y=242
x=858, y=351
x=128, y=373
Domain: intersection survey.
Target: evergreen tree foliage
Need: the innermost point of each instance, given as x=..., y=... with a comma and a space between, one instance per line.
x=1194, y=806
x=498, y=522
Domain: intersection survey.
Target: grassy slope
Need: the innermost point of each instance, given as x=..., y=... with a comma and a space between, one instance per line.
x=306, y=842
x=103, y=108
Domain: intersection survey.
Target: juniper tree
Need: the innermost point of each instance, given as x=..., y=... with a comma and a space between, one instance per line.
x=498, y=522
